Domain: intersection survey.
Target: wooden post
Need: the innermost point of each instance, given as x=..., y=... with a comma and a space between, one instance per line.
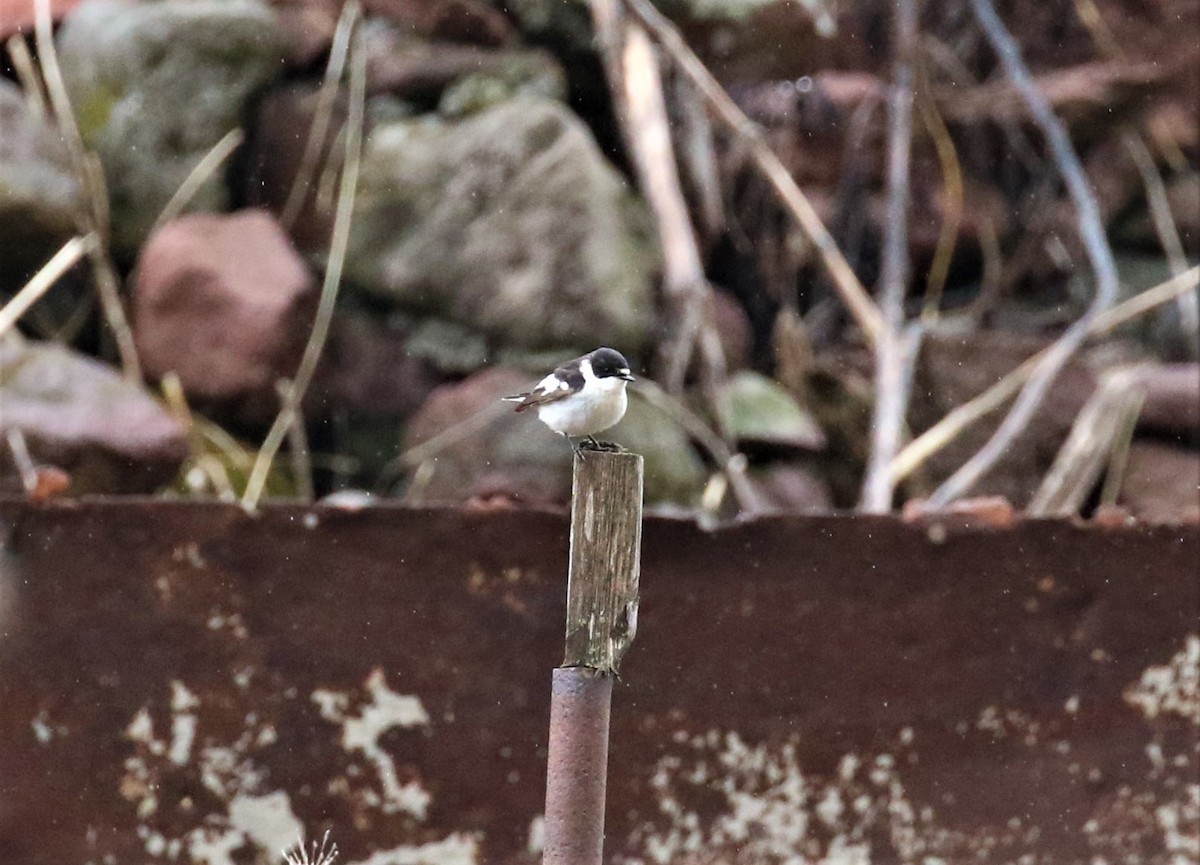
x=602, y=607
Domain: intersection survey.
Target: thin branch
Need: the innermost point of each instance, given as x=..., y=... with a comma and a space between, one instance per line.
x=322, y=115
x=861, y=307
x=201, y=171
x=333, y=278
x=684, y=284
x=894, y=351
x=948, y=428
x=50, y=272
x=732, y=464
x=95, y=217
x=1091, y=231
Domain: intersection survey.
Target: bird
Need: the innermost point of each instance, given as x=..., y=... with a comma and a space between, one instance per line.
x=582, y=397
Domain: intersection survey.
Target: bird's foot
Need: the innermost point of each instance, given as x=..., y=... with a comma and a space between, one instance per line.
x=592, y=444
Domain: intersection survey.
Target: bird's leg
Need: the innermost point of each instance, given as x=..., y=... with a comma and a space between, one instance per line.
x=595, y=444
x=574, y=447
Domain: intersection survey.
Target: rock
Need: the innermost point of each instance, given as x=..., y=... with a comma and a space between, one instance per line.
x=673, y=471
x=18, y=16
x=75, y=413
x=733, y=326
x=367, y=367
x=503, y=76
x=510, y=222
x=366, y=388
x=499, y=454
x=274, y=155
x=40, y=200
x=1162, y=483
x=792, y=488
x=763, y=412
x=473, y=21
x=503, y=455
x=132, y=69
x=227, y=304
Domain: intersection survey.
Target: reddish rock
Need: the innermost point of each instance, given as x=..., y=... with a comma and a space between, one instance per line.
x=225, y=302
x=18, y=16
x=82, y=422
x=1162, y=483
x=498, y=454
x=794, y=489
x=733, y=325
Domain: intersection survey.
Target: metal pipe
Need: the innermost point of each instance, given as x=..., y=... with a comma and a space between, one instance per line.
x=577, y=769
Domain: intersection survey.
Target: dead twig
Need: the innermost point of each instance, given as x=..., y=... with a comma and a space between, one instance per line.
x=1091, y=231
x=42, y=281
x=94, y=219
x=861, y=307
x=684, y=284
x=948, y=428
x=333, y=278
x=895, y=351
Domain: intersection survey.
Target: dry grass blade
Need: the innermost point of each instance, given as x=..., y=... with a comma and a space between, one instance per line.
x=196, y=178
x=948, y=428
x=1091, y=232
x=87, y=173
x=1095, y=436
x=861, y=307
x=31, y=82
x=322, y=116
x=333, y=278
x=1168, y=235
x=952, y=179
x=62, y=261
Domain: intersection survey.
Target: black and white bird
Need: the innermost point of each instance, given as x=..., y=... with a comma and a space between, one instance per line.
x=582, y=397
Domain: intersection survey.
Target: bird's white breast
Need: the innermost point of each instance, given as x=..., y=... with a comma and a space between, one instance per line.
x=600, y=404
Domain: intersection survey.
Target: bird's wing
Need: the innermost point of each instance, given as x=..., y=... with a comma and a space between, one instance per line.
x=560, y=384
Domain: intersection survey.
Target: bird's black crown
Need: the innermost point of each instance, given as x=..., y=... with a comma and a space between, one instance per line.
x=608, y=362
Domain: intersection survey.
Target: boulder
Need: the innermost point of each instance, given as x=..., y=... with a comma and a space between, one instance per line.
x=225, y=302
x=40, y=201
x=497, y=453
x=510, y=222
x=155, y=86
x=75, y=413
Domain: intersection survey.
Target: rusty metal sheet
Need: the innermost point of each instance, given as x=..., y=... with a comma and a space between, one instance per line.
x=187, y=683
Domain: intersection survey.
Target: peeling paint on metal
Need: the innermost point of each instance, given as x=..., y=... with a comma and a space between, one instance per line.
x=1173, y=688
x=458, y=849
x=361, y=733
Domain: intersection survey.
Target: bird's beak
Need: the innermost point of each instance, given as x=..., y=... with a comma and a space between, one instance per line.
x=626, y=375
